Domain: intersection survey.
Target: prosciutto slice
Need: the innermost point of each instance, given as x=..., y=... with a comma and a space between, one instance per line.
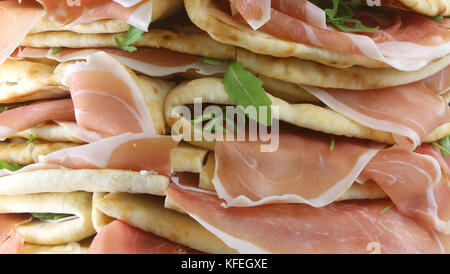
x=24, y=117
x=399, y=32
x=342, y=227
x=121, y=238
x=413, y=182
x=149, y=61
x=255, y=12
x=16, y=21
x=302, y=170
x=106, y=97
x=11, y=242
x=138, y=152
x=136, y=13
x=410, y=112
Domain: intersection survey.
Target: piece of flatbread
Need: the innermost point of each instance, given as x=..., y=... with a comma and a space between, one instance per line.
x=426, y=7
x=148, y=213
x=52, y=233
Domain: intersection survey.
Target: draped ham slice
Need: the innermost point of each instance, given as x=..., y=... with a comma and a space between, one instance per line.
x=439, y=82
x=255, y=12
x=410, y=112
x=150, y=61
x=106, y=97
x=16, y=21
x=342, y=227
x=24, y=117
x=138, y=152
x=302, y=170
x=121, y=238
x=413, y=182
x=399, y=32
x=11, y=242
x=136, y=13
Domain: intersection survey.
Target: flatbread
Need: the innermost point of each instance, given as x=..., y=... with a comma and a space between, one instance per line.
x=426, y=7
x=148, y=213
x=19, y=79
x=310, y=73
x=207, y=16
x=50, y=132
x=187, y=158
x=182, y=39
x=89, y=180
x=49, y=233
x=81, y=247
x=161, y=9
x=310, y=116
x=18, y=151
x=99, y=219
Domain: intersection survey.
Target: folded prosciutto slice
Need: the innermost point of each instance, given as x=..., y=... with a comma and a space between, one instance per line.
x=11, y=242
x=138, y=152
x=24, y=117
x=121, y=238
x=414, y=183
x=410, y=112
x=136, y=13
x=16, y=21
x=303, y=170
x=398, y=32
x=106, y=97
x=342, y=227
x=150, y=61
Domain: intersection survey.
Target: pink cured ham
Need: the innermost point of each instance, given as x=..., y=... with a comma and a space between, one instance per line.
x=138, y=152
x=410, y=112
x=106, y=97
x=439, y=82
x=399, y=32
x=11, y=242
x=136, y=13
x=121, y=238
x=22, y=118
x=150, y=61
x=16, y=21
x=302, y=170
x=414, y=183
x=342, y=227
x=255, y=12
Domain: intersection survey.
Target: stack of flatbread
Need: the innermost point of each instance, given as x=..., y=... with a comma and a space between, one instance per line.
x=225, y=126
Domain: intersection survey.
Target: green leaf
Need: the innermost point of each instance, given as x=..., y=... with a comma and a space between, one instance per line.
x=56, y=50
x=245, y=90
x=133, y=35
x=50, y=216
x=3, y=109
x=10, y=166
x=341, y=14
x=385, y=209
x=211, y=61
x=30, y=139
x=443, y=145
x=439, y=18
x=333, y=143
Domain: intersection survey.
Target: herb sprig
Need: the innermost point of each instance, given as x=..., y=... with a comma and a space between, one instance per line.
x=133, y=35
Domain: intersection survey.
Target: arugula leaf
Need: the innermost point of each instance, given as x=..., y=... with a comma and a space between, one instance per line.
x=341, y=13
x=3, y=109
x=385, y=209
x=30, y=139
x=333, y=143
x=443, y=145
x=216, y=123
x=50, y=216
x=10, y=166
x=438, y=18
x=133, y=35
x=211, y=61
x=56, y=50
x=245, y=90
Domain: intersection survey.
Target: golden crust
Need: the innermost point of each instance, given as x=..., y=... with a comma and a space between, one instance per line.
x=426, y=7
x=147, y=213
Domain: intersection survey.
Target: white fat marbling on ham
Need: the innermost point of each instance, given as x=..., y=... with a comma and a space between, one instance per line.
x=256, y=12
